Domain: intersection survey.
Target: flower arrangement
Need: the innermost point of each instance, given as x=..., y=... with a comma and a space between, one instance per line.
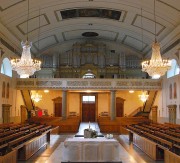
x=89, y=133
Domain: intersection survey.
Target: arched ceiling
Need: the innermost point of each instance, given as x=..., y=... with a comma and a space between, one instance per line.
x=48, y=28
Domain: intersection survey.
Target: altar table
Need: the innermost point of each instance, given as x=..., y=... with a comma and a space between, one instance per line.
x=90, y=150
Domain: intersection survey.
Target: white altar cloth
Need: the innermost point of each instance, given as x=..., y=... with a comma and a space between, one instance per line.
x=90, y=150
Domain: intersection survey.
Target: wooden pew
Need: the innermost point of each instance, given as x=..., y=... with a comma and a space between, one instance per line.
x=143, y=128
x=151, y=127
x=27, y=127
x=10, y=157
x=17, y=142
x=36, y=128
x=147, y=146
x=3, y=134
x=17, y=126
x=133, y=129
x=26, y=141
x=170, y=157
x=6, y=125
x=13, y=136
x=31, y=147
x=44, y=119
x=173, y=126
x=170, y=138
x=158, y=139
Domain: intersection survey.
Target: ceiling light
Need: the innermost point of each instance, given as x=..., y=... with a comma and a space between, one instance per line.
x=156, y=67
x=144, y=96
x=26, y=66
x=131, y=91
x=36, y=97
x=46, y=91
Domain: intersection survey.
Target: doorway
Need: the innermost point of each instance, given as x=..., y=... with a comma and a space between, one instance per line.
x=6, y=113
x=88, y=108
x=58, y=107
x=23, y=114
x=119, y=107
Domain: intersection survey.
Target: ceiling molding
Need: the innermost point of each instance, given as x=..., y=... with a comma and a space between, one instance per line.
x=12, y=5
x=168, y=5
x=53, y=36
x=157, y=33
x=25, y=22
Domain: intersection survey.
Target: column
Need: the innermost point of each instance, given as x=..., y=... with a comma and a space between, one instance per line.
x=64, y=104
x=113, y=105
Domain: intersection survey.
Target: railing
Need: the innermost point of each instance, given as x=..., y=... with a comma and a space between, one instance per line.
x=103, y=84
x=139, y=109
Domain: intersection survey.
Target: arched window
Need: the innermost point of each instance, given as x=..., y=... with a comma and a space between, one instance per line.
x=175, y=91
x=3, y=89
x=174, y=69
x=170, y=91
x=7, y=91
x=6, y=68
x=89, y=75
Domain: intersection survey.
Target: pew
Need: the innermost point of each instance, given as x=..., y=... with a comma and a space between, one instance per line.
x=170, y=157
x=19, y=141
x=13, y=136
x=170, y=138
x=31, y=147
x=22, y=141
x=149, y=147
x=27, y=127
x=6, y=133
x=10, y=157
x=68, y=125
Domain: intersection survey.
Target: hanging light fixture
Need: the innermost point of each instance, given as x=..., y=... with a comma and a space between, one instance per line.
x=26, y=66
x=131, y=91
x=156, y=67
x=36, y=97
x=46, y=91
x=144, y=96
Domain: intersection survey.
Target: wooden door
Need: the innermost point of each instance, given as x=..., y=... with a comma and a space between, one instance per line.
x=23, y=114
x=6, y=113
x=57, y=106
x=119, y=107
x=58, y=110
x=88, y=112
x=154, y=114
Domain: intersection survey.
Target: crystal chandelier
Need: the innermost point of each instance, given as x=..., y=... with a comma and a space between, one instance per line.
x=131, y=91
x=26, y=66
x=144, y=96
x=156, y=67
x=46, y=91
x=36, y=97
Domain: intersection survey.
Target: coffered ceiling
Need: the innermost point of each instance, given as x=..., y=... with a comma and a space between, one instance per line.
x=55, y=23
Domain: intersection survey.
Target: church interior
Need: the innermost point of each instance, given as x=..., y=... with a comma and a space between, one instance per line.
x=90, y=81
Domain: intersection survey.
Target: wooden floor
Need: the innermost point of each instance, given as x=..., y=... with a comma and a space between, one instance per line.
x=52, y=153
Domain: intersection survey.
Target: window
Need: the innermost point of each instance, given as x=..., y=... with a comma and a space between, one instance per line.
x=3, y=89
x=170, y=91
x=175, y=70
x=88, y=99
x=7, y=91
x=89, y=75
x=6, y=68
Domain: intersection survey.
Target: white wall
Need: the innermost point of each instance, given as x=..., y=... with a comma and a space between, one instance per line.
x=164, y=101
